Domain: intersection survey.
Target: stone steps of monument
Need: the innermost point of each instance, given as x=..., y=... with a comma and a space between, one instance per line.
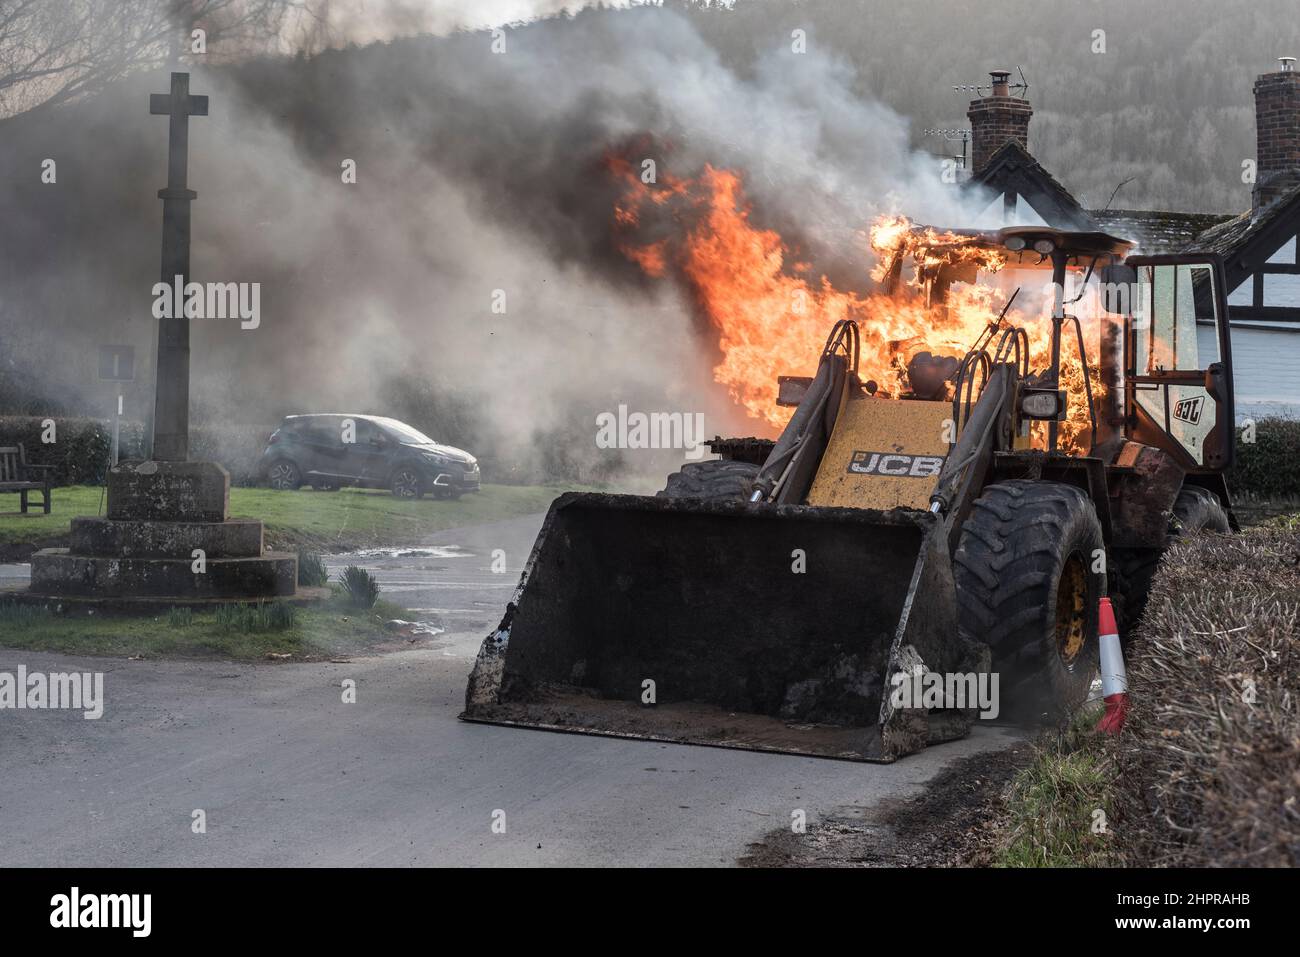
x=58, y=571
x=236, y=538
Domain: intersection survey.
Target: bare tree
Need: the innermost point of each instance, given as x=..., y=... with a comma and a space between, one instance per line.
x=52, y=51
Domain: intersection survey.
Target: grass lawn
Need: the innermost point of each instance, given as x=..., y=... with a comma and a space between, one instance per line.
x=1054, y=805
x=346, y=519
x=317, y=631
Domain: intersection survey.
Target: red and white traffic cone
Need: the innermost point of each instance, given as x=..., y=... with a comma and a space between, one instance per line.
x=1114, y=680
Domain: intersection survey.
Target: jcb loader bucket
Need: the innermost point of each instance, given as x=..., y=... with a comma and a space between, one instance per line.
x=731, y=624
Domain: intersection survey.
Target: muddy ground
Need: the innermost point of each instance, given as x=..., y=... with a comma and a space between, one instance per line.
x=955, y=822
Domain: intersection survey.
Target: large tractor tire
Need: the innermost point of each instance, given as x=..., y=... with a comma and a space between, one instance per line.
x=1196, y=510
x=1025, y=587
x=718, y=480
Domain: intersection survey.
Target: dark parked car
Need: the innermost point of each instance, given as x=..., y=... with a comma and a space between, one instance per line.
x=327, y=451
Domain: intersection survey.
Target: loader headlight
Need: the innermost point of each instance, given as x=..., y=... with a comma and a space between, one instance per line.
x=1042, y=404
x=1044, y=246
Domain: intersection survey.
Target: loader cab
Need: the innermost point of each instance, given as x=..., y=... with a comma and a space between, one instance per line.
x=1048, y=284
x=1085, y=354
x=1177, y=350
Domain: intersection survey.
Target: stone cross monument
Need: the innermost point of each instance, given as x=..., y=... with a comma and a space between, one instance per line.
x=168, y=538
x=171, y=419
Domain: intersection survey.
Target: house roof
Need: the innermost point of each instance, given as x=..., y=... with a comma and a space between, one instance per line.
x=1013, y=169
x=1226, y=237
x=1156, y=231
x=1233, y=237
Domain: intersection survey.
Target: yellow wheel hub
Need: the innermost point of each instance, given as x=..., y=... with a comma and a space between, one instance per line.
x=1071, y=610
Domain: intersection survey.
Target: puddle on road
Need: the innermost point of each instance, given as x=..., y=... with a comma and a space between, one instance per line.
x=429, y=551
x=417, y=628
x=454, y=630
x=408, y=635
x=15, y=573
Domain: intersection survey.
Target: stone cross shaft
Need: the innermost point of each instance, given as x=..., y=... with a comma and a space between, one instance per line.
x=171, y=420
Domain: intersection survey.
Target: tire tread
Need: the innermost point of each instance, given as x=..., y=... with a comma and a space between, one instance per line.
x=1006, y=568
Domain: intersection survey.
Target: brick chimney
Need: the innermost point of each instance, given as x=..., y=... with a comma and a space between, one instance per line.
x=1277, y=131
x=996, y=118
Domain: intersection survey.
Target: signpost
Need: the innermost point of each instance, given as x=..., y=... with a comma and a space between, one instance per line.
x=117, y=364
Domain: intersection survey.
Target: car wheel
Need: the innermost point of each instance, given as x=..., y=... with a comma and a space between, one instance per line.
x=284, y=475
x=406, y=483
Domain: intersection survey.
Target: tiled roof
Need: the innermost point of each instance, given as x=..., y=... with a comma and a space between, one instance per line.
x=1013, y=165
x=1156, y=231
x=1232, y=236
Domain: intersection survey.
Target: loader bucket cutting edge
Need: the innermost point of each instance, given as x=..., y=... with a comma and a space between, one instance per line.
x=755, y=626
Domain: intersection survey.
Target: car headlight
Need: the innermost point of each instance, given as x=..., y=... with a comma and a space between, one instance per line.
x=433, y=458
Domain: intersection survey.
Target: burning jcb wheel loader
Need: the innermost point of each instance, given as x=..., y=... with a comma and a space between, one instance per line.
x=783, y=598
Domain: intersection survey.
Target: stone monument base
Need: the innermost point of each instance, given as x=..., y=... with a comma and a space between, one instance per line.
x=168, y=534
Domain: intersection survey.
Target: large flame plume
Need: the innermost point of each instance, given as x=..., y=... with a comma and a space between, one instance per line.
x=772, y=311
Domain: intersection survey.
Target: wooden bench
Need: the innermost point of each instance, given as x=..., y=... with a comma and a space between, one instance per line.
x=19, y=475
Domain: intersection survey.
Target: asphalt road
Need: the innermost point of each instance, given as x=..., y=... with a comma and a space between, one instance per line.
x=286, y=773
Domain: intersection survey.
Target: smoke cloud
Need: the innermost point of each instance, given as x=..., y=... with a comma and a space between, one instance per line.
x=479, y=181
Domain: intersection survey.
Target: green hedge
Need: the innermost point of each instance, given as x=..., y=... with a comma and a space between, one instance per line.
x=1269, y=467
x=82, y=448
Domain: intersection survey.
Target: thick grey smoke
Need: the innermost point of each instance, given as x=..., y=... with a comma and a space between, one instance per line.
x=478, y=174
x=364, y=21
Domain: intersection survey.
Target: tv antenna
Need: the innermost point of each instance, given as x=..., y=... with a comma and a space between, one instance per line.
x=953, y=136
x=1000, y=85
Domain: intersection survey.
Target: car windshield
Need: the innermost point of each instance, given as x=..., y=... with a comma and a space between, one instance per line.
x=404, y=433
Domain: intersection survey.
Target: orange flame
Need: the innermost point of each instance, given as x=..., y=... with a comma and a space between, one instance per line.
x=772, y=320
